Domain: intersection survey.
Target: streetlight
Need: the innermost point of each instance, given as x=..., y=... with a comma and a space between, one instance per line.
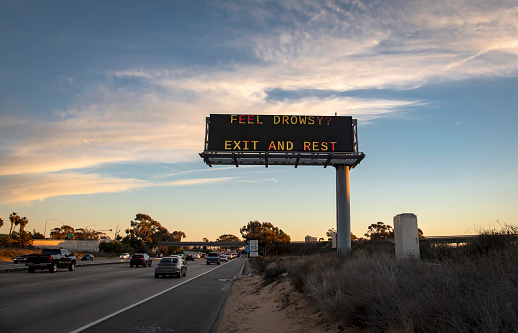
x=90, y=225
x=45, y=231
x=105, y=230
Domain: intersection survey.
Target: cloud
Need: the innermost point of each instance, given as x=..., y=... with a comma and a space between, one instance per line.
x=319, y=50
x=30, y=187
x=268, y=180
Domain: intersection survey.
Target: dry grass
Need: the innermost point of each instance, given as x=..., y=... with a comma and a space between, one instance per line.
x=471, y=289
x=10, y=254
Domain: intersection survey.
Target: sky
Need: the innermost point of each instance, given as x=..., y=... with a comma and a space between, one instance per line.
x=103, y=107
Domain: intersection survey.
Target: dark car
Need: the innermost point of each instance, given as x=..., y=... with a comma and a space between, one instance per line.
x=171, y=266
x=21, y=259
x=189, y=257
x=87, y=257
x=213, y=258
x=140, y=259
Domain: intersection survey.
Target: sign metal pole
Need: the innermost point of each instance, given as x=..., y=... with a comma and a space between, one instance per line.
x=343, y=211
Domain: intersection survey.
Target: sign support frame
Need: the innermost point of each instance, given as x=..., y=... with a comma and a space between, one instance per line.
x=342, y=160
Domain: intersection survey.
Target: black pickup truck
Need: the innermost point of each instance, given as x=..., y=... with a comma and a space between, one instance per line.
x=51, y=259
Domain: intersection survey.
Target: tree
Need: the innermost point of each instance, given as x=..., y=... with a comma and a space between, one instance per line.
x=1, y=222
x=143, y=227
x=79, y=233
x=145, y=233
x=23, y=222
x=6, y=240
x=420, y=233
x=379, y=231
x=205, y=239
x=23, y=238
x=67, y=230
x=330, y=233
x=228, y=238
x=15, y=220
x=56, y=233
x=178, y=235
x=269, y=236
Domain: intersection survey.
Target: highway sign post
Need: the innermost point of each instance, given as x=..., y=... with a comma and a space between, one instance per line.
x=254, y=248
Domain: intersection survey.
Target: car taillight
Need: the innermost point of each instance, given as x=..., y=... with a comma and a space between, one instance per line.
x=50, y=258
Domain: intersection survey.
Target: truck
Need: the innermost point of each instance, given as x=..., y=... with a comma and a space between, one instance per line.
x=51, y=259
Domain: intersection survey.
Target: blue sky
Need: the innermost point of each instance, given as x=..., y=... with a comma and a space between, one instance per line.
x=103, y=106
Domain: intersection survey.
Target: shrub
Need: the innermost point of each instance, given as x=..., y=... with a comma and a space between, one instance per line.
x=115, y=247
x=471, y=288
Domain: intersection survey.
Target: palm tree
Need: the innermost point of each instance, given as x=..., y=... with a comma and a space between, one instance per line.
x=14, y=218
x=23, y=222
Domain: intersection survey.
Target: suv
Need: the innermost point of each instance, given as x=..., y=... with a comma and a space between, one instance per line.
x=140, y=259
x=212, y=258
x=171, y=266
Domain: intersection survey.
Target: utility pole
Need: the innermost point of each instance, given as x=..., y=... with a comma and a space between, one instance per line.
x=45, y=231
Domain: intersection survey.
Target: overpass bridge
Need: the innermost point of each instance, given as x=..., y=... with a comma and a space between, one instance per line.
x=208, y=244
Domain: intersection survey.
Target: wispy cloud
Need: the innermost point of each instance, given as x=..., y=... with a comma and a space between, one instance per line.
x=265, y=180
x=30, y=187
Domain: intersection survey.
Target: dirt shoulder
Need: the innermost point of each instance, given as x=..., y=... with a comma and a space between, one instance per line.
x=277, y=307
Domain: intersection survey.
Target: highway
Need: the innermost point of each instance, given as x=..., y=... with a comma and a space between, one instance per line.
x=115, y=298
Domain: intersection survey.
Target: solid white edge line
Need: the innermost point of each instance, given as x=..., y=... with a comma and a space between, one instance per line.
x=138, y=303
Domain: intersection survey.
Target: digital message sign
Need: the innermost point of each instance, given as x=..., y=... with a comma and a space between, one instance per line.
x=280, y=133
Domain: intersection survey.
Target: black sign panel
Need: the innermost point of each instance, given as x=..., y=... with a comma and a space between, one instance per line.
x=286, y=133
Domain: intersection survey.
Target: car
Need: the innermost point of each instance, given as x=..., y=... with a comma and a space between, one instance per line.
x=173, y=265
x=21, y=259
x=125, y=256
x=159, y=255
x=140, y=259
x=213, y=258
x=189, y=257
x=87, y=257
x=223, y=257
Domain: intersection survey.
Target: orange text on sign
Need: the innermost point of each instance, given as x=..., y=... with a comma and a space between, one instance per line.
x=319, y=146
x=240, y=145
x=245, y=119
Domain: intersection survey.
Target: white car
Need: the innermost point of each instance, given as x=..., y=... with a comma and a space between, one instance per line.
x=125, y=256
x=223, y=257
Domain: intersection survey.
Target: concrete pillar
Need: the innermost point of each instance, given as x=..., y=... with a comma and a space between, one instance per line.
x=343, y=211
x=406, y=236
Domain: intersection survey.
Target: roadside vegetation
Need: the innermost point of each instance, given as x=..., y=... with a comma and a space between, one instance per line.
x=468, y=288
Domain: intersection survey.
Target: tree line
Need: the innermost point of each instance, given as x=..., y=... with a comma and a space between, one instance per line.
x=378, y=231
x=144, y=234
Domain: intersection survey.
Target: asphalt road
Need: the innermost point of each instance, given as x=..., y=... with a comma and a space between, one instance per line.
x=115, y=298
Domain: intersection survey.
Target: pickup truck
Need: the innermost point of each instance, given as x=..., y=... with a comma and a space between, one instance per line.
x=51, y=259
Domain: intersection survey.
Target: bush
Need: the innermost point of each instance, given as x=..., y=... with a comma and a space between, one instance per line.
x=471, y=288
x=116, y=247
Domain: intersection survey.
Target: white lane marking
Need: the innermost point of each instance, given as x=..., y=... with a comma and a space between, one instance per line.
x=138, y=303
x=113, y=284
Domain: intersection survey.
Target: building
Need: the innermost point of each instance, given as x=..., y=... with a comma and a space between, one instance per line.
x=310, y=239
